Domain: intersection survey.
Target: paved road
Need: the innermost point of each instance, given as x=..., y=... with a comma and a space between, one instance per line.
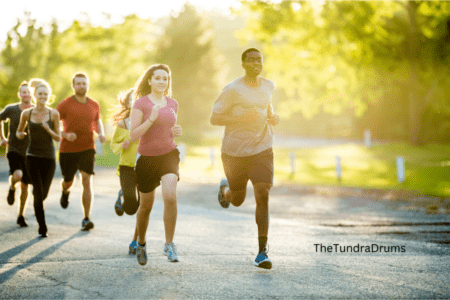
x=217, y=248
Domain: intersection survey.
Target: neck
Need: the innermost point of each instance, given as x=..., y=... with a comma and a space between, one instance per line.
x=24, y=105
x=81, y=98
x=158, y=96
x=40, y=107
x=251, y=80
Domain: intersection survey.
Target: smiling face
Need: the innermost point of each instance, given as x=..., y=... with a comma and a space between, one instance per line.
x=159, y=82
x=253, y=63
x=24, y=94
x=41, y=95
x=80, y=86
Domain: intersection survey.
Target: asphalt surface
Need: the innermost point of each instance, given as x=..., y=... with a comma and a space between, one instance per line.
x=403, y=250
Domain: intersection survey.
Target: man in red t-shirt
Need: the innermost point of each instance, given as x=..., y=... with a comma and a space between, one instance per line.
x=80, y=116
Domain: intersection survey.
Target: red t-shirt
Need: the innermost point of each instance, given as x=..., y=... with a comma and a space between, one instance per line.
x=80, y=118
x=158, y=139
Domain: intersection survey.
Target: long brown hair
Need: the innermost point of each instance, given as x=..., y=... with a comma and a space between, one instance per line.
x=143, y=88
x=124, y=107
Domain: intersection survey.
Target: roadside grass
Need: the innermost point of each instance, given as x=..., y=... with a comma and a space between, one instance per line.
x=427, y=168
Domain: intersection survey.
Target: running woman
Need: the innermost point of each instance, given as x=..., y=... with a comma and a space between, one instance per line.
x=80, y=116
x=245, y=109
x=120, y=143
x=43, y=129
x=16, y=150
x=153, y=121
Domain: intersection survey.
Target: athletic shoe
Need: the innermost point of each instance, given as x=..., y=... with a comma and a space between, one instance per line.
x=166, y=250
x=141, y=254
x=64, y=200
x=172, y=255
x=10, y=198
x=86, y=225
x=132, y=248
x=262, y=260
x=42, y=235
x=21, y=221
x=223, y=202
x=118, y=206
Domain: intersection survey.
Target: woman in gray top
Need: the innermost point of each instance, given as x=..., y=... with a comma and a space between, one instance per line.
x=43, y=128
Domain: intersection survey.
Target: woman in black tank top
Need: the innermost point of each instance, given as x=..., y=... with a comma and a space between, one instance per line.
x=43, y=129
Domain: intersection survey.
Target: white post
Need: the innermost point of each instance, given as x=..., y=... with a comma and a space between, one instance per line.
x=292, y=161
x=400, y=169
x=182, y=148
x=211, y=155
x=338, y=168
x=367, y=138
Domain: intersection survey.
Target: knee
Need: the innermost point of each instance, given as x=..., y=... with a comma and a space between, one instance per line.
x=17, y=175
x=262, y=194
x=170, y=199
x=86, y=179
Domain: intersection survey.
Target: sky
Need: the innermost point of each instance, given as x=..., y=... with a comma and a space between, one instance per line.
x=66, y=11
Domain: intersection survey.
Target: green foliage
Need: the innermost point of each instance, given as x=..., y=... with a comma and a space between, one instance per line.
x=187, y=47
x=346, y=54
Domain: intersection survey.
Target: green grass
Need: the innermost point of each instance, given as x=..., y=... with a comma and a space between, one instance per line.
x=427, y=168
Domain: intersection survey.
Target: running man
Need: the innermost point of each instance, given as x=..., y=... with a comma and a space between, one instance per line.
x=245, y=109
x=80, y=116
x=16, y=150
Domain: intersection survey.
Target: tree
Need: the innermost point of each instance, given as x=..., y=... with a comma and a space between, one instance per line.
x=187, y=47
x=342, y=53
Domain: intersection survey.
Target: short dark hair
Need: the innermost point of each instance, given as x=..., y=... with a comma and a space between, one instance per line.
x=24, y=83
x=79, y=74
x=244, y=54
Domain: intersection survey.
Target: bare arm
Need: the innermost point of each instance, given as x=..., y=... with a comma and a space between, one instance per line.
x=55, y=134
x=4, y=141
x=20, y=133
x=138, y=126
x=272, y=118
x=100, y=130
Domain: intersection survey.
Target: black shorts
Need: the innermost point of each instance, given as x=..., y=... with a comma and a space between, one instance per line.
x=150, y=169
x=258, y=168
x=17, y=162
x=73, y=161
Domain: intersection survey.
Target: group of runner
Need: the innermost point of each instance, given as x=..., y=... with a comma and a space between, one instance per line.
x=144, y=136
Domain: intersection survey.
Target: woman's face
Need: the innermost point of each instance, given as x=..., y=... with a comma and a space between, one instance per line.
x=41, y=95
x=159, y=82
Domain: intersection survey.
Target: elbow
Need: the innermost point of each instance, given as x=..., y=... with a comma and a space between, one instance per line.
x=57, y=139
x=213, y=120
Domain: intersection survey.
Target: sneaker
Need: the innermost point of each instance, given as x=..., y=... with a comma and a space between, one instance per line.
x=262, y=260
x=10, y=198
x=64, y=200
x=172, y=255
x=141, y=254
x=118, y=206
x=223, y=202
x=86, y=225
x=166, y=250
x=21, y=221
x=132, y=248
x=42, y=235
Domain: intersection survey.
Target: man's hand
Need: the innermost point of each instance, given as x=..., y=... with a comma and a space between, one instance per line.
x=102, y=138
x=273, y=120
x=126, y=144
x=3, y=143
x=71, y=136
x=177, y=131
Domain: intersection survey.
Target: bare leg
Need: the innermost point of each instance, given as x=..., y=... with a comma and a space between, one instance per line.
x=169, y=193
x=234, y=197
x=143, y=214
x=66, y=185
x=86, y=197
x=23, y=198
x=15, y=178
x=262, y=207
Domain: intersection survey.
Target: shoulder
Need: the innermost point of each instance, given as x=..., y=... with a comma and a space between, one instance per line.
x=268, y=83
x=172, y=102
x=93, y=102
x=26, y=112
x=139, y=102
x=231, y=86
x=54, y=112
x=64, y=102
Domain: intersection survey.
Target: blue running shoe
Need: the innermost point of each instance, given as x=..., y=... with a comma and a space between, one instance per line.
x=132, y=248
x=118, y=206
x=141, y=254
x=262, y=260
x=172, y=255
x=223, y=202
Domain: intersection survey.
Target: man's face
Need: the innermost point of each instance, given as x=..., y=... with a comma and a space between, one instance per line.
x=80, y=86
x=24, y=94
x=253, y=63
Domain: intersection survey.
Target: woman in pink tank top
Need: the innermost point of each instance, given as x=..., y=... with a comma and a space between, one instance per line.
x=153, y=121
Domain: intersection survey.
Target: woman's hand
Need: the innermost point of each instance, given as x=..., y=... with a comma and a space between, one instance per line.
x=126, y=144
x=155, y=112
x=176, y=131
